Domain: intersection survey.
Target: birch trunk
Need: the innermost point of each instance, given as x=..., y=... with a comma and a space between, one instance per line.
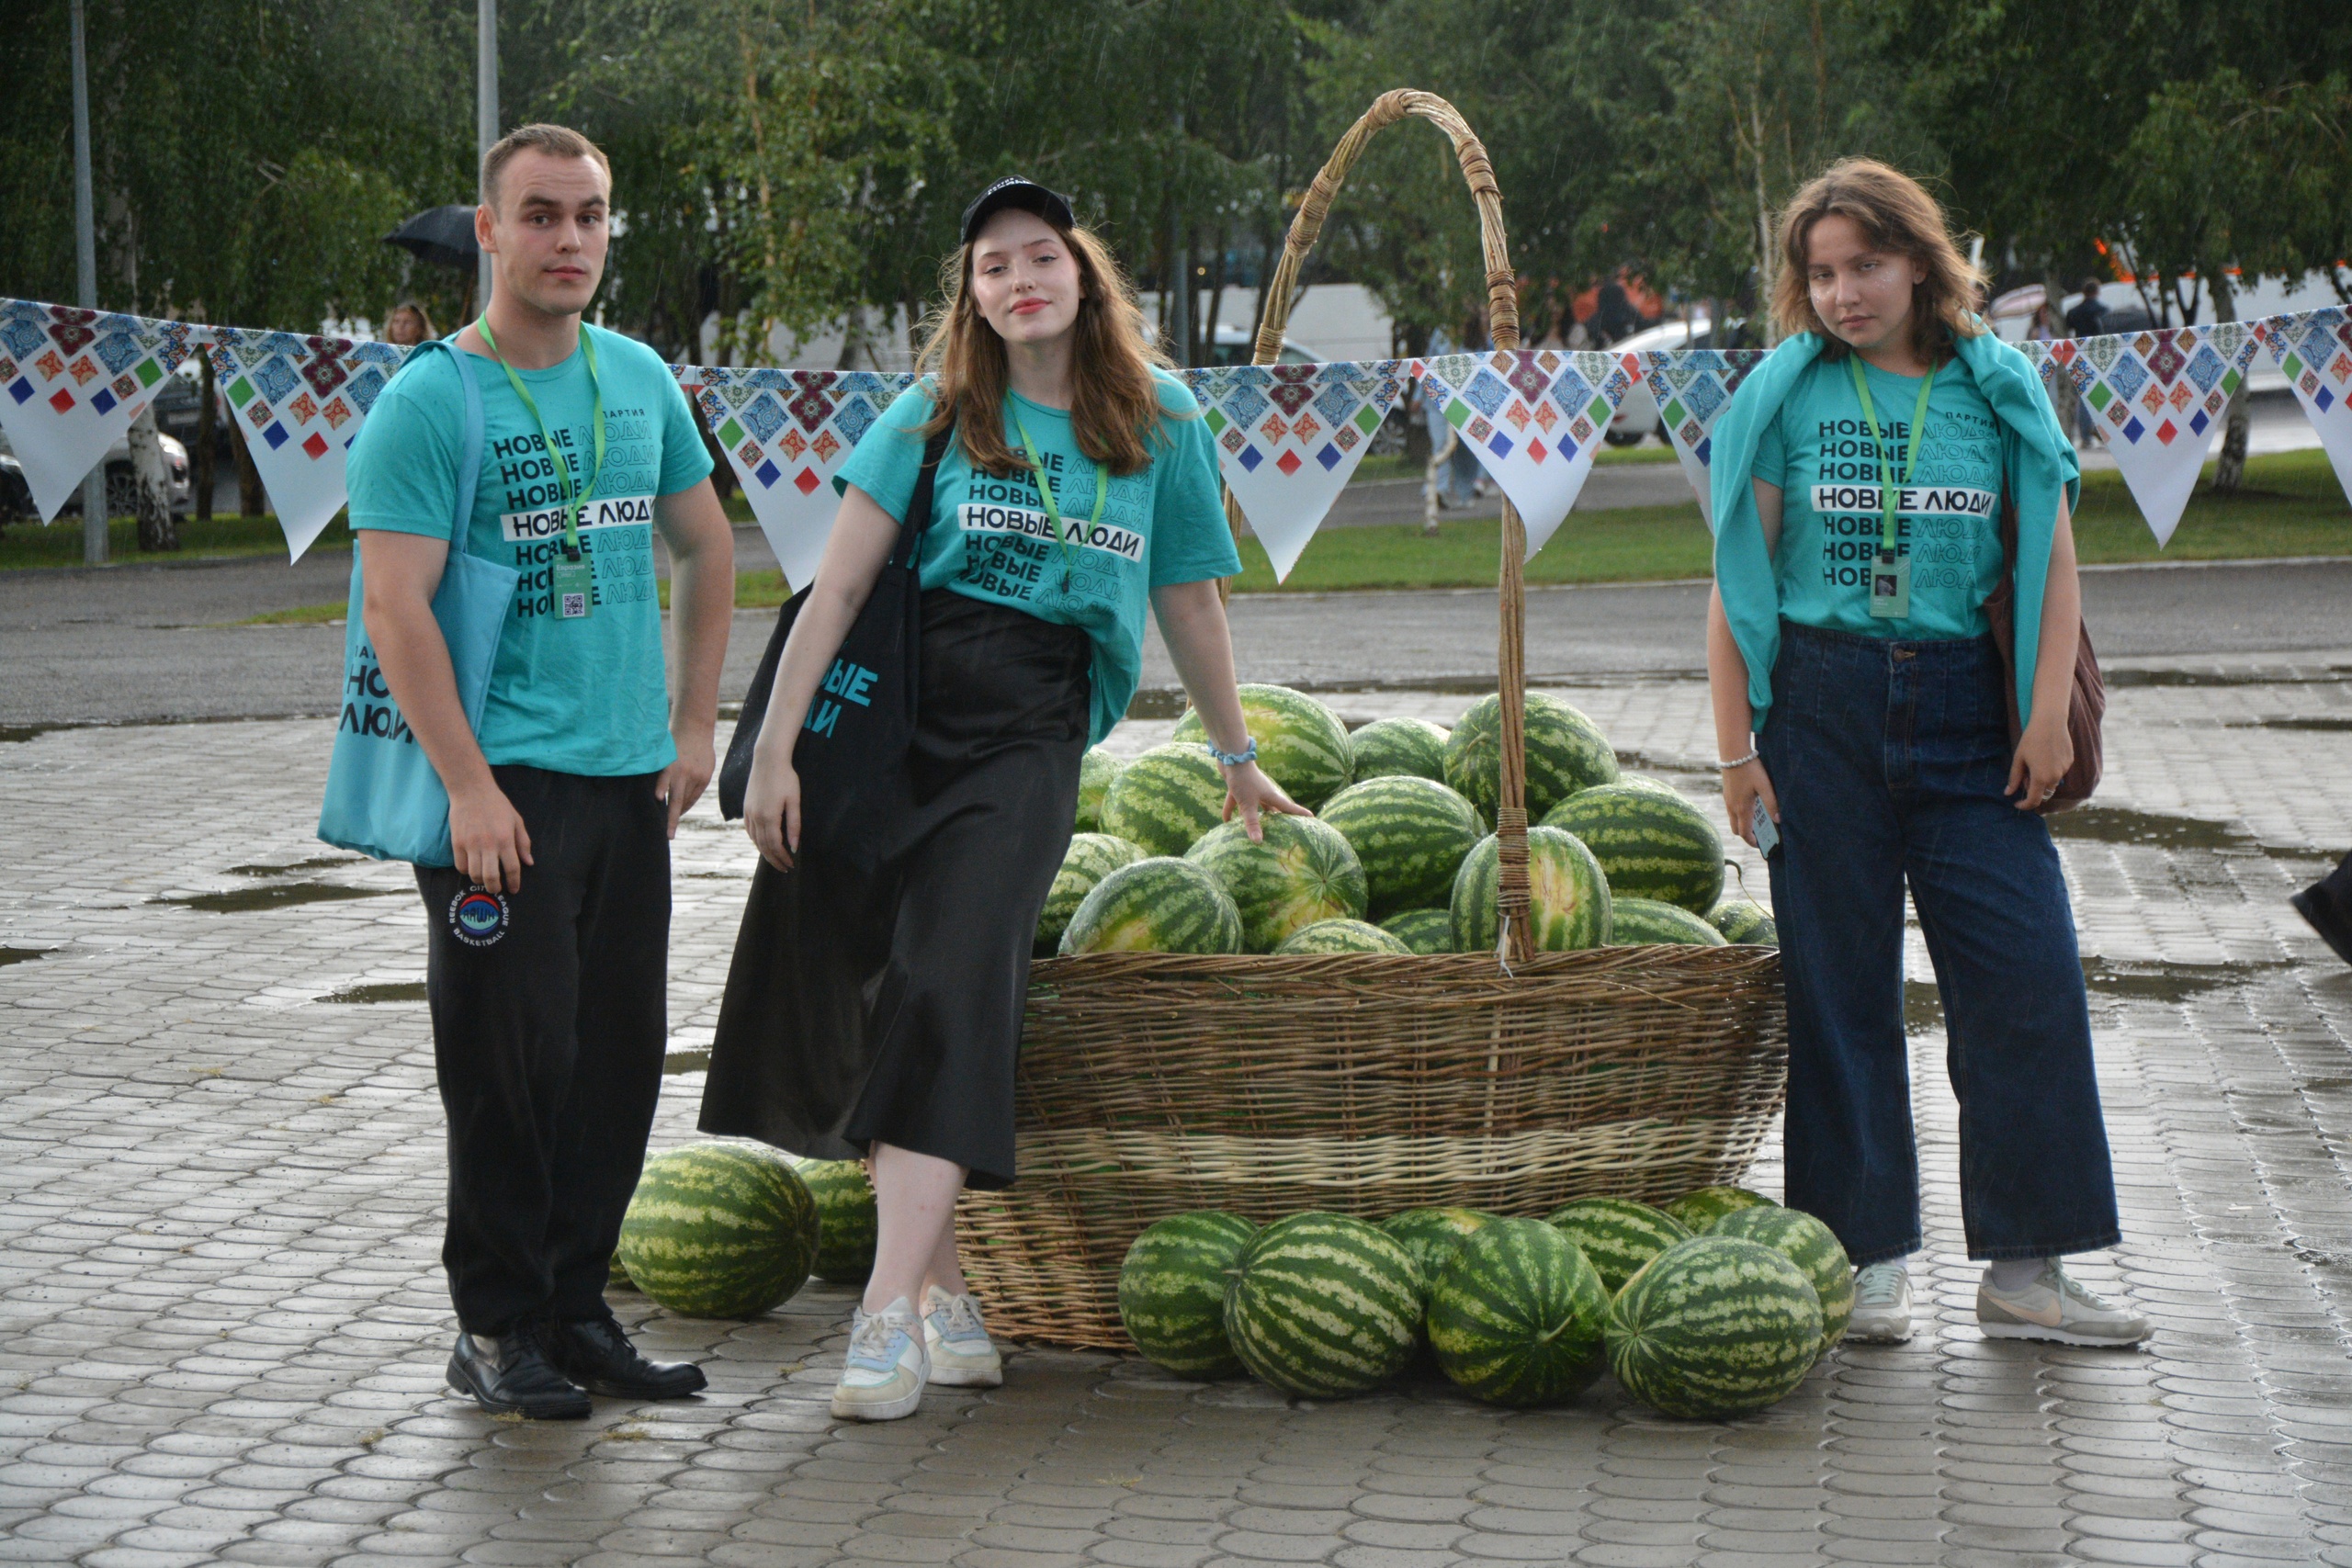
x=151, y=480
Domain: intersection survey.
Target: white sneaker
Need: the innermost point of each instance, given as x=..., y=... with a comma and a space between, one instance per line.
x=1881, y=1305
x=2056, y=1309
x=957, y=1342
x=884, y=1376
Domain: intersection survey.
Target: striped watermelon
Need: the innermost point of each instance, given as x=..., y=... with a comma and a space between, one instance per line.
x=1302, y=745
x=1301, y=872
x=1566, y=752
x=1651, y=842
x=845, y=1201
x=1165, y=799
x=1812, y=1246
x=1617, y=1236
x=1409, y=747
x=1639, y=922
x=1340, y=936
x=1568, y=895
x=1422, y=931
x=1161, y=905
x=1411, y=834
x=1432, y=1234
x=1095, y=772
x=1324, y=1305
x=1092, y=857
x=720, y=1230
x=1516, y=1318
x=1744, y=920
x=1713, y=1328
x=615, y=1277
x=1171, y=1291
x=1700, y=1209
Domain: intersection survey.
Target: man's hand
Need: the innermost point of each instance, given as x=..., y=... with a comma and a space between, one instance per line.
x=487, y=838
x=683, y=782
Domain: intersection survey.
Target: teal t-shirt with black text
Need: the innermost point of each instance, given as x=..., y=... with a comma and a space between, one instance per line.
x=991, y=538
x=1947, y=519
x=575, y=696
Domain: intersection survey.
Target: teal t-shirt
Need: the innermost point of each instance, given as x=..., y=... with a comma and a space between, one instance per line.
x=572, y=696
x=991, y=538
x=1947, y=519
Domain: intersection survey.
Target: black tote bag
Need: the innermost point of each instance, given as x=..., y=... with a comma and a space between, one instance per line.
x=852, y=748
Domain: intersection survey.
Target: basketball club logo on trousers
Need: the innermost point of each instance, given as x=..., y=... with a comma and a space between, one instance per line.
x=478, y=917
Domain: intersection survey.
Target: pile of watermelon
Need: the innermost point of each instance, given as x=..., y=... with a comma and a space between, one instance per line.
x=1713, y=1306
x=732, y=1230
x=1399, y=858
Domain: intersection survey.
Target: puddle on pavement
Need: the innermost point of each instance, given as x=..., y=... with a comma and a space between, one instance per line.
x=2122, y=978
x=18, y=733
x=686, y=1062
x=2329, y=676
x=2121, y=825
x=20, y=955
x=317, y=863
x=2321, y=726
x=391, y=991
x=277, y=896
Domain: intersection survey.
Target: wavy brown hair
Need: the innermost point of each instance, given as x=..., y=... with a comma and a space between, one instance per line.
x=1114, y=402
x=1897, y=215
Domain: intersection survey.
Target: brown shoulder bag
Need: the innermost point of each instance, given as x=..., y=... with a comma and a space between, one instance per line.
x=2087, y=705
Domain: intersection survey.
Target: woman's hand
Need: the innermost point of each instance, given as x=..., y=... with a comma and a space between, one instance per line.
x=1248, y=791
x=1743, y=787
x=2044, y=753
x=772, y=808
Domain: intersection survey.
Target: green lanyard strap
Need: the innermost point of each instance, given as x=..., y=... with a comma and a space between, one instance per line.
x=1887, y=482
x=581, y=495
x=1053, y=508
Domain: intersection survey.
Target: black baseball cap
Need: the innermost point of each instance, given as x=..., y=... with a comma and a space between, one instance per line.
x=1027, y=195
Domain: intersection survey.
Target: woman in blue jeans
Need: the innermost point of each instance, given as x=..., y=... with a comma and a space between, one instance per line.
x=1859, y=477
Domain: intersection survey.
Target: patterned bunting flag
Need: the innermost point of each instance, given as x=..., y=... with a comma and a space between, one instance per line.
x=71, y=382
x=2158, y=399
x=1289, y=437
x=786, y=433
x=2314, y=351
x=1535, y=417
x=300, y=400
x=1693, y=386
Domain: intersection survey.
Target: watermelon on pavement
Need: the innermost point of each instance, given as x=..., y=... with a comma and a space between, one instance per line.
x=1745, y=920
x=1171, y=1291
x=1161, y=905
x=1411, y=834
x=1715, y=1328
x=1302, y=745
x=1324, y=1305
x=1165, y=799
x=1566, y=752
x=1568, y=896
x=1517, y=1316
x=1812, y=1246
x=1422, y=931
x=1095, y=772
x=1651, y=842
x=720, y=1230
x=1637, y=922
x=849, y=1221
x=1617, y=1236
x=1432, y=1234
x=1090, y=858
x=1340, y=936
x=1701, y=1208
x=1386, y=747
x=1302, y=870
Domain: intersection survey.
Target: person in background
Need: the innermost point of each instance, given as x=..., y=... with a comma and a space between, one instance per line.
x=1454, y=472
x=2087, y=317
x=408, y=326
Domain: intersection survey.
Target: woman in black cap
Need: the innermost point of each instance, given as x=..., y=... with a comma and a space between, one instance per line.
x=881, y=1016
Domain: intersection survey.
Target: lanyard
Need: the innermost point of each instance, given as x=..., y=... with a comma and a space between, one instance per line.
x=1886, y=485
x=556, y=465
x=1053, y=508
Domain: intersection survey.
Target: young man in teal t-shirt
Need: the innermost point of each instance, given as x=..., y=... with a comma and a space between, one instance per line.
x=550, y=936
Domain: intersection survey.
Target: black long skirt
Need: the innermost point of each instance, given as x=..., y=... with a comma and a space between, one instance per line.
x=887, y=1004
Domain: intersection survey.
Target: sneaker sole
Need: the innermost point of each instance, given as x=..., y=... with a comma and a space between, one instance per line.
x=2057, y=1337
x=1883, y=1337
x=967, y=1377
x=876, y=1410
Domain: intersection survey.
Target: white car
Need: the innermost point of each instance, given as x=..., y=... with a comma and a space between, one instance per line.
x=1637, y=416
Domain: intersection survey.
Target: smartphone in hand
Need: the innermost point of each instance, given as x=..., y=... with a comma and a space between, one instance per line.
x=1767, y=831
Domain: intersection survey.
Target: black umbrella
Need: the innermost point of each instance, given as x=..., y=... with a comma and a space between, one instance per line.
x=444, y=235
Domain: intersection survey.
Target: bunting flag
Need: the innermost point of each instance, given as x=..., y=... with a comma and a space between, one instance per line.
x=1289, y=437
x=786, y=433
x=2314, y=350
x=1693, y=387
x=1534, y=418
x=71, y=382
x=2156, y=398
x=299, y=402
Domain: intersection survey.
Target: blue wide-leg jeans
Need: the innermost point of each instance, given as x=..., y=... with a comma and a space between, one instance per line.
x=1888, y=759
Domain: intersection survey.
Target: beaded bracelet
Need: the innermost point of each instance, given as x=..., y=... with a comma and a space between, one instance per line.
x=1739, y=763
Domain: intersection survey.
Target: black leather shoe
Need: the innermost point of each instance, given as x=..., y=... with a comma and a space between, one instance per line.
x=595, y=1354
x=508, y=1374
x=2316, y=904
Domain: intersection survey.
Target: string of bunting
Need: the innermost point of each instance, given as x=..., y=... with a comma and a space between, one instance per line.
x=1288, y=436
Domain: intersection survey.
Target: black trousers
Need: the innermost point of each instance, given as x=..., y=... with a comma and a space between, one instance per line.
x=549, y=1019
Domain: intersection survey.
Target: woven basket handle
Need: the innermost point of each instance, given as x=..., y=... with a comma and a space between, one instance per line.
x=1502, y=317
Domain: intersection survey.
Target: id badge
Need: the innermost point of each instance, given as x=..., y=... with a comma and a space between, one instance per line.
x=575, y=588
x=1890, y=587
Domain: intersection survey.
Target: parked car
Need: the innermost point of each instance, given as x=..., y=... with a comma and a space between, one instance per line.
x=1239, y=345
x=122, y=486
x=1637, y=416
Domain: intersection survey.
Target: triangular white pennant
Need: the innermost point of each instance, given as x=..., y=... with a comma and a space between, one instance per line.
x=1693, y=386
x=2314, y=349
x=71, y=382
x=1534, y=418
x=299, y=402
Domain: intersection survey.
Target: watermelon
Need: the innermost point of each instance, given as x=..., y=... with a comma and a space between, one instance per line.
x=1165, y=799
x=1812, y=1246
x=1422, y=931
x=1516, y=1318
x=1171, y=1291
x=1703, y=1208
x=1407, y=747
x=1713, y=1328
x=1432, y=1234
x=1411, y=834
x=1617, y=1236
x=1092, y=857
x=720, y=1230
x=615, y=1277
x=1159, y=905
x=850, y=1223
x=1323, y=1306
x=1566, y=752
x=1340, y=936
x=1639, y=922
x=1651, y=842
x=1568, y=895
x=1095, y=772
x=1745, y=920
x=1301, y=872
x=1302, y=745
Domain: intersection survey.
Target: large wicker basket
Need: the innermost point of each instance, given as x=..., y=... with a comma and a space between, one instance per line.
x=1150, y=1084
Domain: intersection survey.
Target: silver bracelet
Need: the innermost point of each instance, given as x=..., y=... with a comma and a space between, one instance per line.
x=1736, y=763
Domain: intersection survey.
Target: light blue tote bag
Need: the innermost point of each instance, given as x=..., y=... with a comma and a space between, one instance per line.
x=383, y=797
